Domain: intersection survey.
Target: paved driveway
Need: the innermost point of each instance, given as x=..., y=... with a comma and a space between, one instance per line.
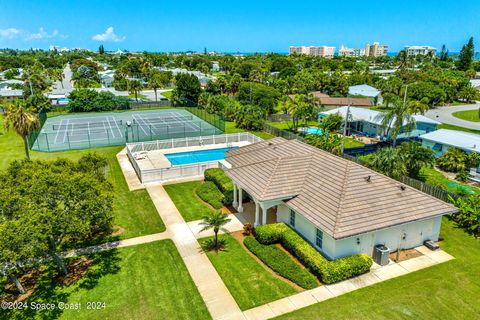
x=444, y=115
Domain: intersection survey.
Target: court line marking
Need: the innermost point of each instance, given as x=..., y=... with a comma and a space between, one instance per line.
x=141, y=127
x=116, y=124
x=58, y=131
x=65, y=132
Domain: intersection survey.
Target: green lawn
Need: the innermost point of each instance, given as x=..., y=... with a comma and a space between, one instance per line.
x=286, y=125
x=452, y=127
x=469, y=115
x=248, y=281
x=190, y=206
x=436, y=178
x=148, y=281
x=167, y=94
x=352, y=143
x=446, y=291
x=134, y=211
x=230, y=128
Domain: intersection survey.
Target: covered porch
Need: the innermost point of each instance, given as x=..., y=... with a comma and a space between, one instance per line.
x=255, y=212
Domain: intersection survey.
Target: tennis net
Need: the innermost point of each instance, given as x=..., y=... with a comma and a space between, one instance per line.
x=86, y=125
x=162, y=119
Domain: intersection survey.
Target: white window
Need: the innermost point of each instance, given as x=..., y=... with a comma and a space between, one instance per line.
x=319, y=238
x=292, y=218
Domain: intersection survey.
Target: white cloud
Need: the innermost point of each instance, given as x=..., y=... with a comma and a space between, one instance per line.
x=9, y=33
x=108, y=35
x=42, y=34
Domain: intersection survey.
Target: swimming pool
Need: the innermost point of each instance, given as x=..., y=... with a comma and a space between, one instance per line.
x=312, y=130
x=196, y=156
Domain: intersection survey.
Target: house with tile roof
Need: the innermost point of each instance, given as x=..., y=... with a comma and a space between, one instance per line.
x=339, y=206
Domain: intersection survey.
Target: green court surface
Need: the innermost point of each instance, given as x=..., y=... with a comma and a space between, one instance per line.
x=90, y=130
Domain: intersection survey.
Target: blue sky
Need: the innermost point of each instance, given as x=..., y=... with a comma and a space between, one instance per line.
x=230, y=26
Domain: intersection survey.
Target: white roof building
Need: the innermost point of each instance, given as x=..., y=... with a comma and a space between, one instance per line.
x=466, y=141
x=363, y=90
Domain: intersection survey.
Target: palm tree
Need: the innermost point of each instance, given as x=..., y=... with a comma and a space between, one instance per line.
x=417, y=107
x=22, y=121
x=135, y=88
x=216, y=221
x=155, y=83
x=389, y=161
x=397, y=118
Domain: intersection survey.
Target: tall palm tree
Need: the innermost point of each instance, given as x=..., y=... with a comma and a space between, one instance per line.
x=397, y=118
x=155, y=82
x=22, y=121
x=216, y=221
x=135, y=87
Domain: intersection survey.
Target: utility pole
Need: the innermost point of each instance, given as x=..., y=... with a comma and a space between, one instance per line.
x=346, y=124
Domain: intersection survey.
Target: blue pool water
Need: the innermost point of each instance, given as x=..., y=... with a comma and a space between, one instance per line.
x=196, y=156
x=313, y=130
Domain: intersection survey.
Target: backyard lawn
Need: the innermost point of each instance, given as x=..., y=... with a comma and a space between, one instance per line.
x=230, y=128
x=187, y=202
x=436, y=178
x=469, y=115
x=286, y=125
x=247, y=280
x=134, y=211
x=148, y=281
x=352, y=143
x=446, y=291
x=452, y=127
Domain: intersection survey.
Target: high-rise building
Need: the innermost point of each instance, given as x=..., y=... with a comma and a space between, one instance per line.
x=419, y=50
x=376, y=50
x=351, y=52
x=321, y=51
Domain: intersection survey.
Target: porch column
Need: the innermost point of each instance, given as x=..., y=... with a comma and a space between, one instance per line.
x=235, y=196
x=240, y=199
x=257, y=208
x=264, y=215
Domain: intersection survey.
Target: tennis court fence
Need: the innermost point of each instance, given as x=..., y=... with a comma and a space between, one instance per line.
x=182, y=171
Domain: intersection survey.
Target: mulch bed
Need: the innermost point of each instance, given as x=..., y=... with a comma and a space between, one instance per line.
x=405, y=255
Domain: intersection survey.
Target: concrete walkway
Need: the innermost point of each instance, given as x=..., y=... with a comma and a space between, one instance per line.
x=128, y=172
x=377, y=274
x=444, y=115
x=218, y=299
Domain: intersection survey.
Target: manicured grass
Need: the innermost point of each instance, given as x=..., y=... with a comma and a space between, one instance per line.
x=133, y=211
x=230, y=128
x=167, y=94
x=249, y=282
x=187, y=202
x=469, y=115
x=287, y=125
x=452, y=127
x=148, y=281
x=447, y=291
x=352, y=143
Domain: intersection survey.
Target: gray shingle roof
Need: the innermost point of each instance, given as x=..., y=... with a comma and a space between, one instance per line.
x=331, y=192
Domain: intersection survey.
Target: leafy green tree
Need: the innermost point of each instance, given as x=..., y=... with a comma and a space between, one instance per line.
x=11, y=73
x=82, y=100
x=22, y=121
x=454, y=160
x=215, y=221
x=332, y=123
x=258, y=94
x=465, y=57
x=416, y=157
x=389, y=161
x=468, y=215
x=187, y=90
x=101, y=49
x=327, y=141
x=444, y=53
x=250, y=117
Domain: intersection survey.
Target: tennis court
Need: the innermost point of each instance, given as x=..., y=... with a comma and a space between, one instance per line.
x=82, y=131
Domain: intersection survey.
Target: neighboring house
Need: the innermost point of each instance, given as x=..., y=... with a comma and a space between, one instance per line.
x=334, y=102
x=341, y=207
x=364, y=90
x=10, y=84
x=202, y=77
x=215, y=66
x=420, y=50
x=441, y=140
x=369, y=122
x=475, y=83
x=106, y=77
x=9, y=95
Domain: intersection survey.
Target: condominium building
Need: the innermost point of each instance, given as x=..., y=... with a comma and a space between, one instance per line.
x=321, y=51
x=420, y=50
x=376, y=50
x=351, y=52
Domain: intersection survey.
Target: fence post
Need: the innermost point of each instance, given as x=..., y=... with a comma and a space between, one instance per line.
x=68, y=140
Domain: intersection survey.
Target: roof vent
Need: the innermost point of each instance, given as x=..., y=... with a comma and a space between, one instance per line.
x=270, y=143
x=368, y=178
x=403, y=188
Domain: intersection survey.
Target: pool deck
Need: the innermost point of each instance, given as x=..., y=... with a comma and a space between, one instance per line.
x=156, y=159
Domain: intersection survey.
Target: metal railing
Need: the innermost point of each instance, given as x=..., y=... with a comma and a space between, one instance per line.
x=182, y=171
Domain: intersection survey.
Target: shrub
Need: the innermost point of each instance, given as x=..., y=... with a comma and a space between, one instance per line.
x=223, y=183
x=462, y=176
x=280, y=262
x=327, y=271
x=454, y=160
x=468, y=215
x=209, y=193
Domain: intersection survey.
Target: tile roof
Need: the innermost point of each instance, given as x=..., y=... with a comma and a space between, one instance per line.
x=339, y=196
x=331, y=101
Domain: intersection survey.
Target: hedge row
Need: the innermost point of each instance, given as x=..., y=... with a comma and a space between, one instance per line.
x=328, y=271
x=223, y=183
x=280, y=262
x=209, y=193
